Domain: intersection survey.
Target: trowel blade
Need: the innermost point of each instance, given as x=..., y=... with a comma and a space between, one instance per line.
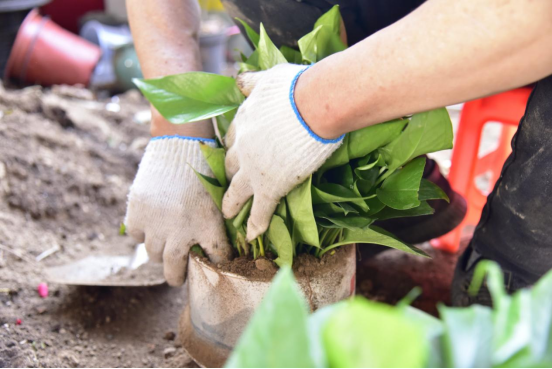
x=103, y=270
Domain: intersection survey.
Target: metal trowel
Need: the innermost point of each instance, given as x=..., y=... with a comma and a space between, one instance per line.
x=102, y=270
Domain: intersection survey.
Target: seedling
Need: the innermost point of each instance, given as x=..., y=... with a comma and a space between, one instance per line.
x=376, y=174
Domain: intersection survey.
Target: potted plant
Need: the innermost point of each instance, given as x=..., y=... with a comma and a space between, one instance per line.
x=376, y=174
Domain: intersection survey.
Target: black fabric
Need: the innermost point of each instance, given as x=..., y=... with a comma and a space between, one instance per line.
x=516, y=225
x=286, y=21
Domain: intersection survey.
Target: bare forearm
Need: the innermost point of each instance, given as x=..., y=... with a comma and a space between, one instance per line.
x=444, y=52
x=165, y=33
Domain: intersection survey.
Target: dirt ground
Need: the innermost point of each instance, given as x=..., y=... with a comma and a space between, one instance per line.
x=67, y=160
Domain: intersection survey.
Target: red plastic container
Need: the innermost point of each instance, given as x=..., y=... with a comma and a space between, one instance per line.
x=47, y=54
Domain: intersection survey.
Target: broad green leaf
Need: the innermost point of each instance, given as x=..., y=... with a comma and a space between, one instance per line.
x=342, y=175
x=375, y=206
x=215, y=160
x=331, y=19
x=239, y=220
x=212, y=186
x=279, y=235
x=430, y=191
x=122, y=229
x=191, y=96
x=390, y=213
x=367, y=180
x=232, y=232
x=331, y=209
x=347, y=208
x=316, y=324
x=468, y=337
x=367, y=334
x=224, y=121
x=251, y=64
x=377, y=162
x=366, y=140
x=320, y=43
x=427, y=132
x=400, y=190
x=246, y=67
x=375, y=236
x=299, y=202
x=292, y=56
x=269, y=55
x=277, y=334
x=251, y=34
x=349, y=222
x=331, y=192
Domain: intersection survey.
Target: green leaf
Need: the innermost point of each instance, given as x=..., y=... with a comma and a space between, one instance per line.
x=215, y=160
x=375, y=206
x=430, y=191
x=364, y=141
x=374, y=235
x=331, y=19
x=224, y=121
x=400, y=190
x=349, y=222
x=191, y=96
x=277, y=334
x=468, y=338
x=251, y=34
x=427, y=132
x=239, y=220
x=320, y=43
x=212, y=186
x=331, y=192
x=351, y=341
x=292, y=56
x=279, y=235
x=122, y=229
x=342, y=175
x=269, y=55
x=347, y=208
x=196, y=249
x=299, y=202
x=390, y=213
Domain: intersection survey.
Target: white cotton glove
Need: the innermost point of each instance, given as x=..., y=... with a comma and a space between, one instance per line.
x=169, y=208
x=271, y=148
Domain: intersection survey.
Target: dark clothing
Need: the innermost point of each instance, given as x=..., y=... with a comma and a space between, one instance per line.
x=515, y=228
x=286, y=21
x=516, y=225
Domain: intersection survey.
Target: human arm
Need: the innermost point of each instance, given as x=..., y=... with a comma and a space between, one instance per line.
x=443, y=53
x=165, y=34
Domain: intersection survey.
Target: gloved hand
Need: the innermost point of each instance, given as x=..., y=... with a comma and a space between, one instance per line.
x=271, y=148
x=169, y=208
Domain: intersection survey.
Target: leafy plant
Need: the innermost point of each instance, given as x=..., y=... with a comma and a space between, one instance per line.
x=516, y=332
x=376, y=174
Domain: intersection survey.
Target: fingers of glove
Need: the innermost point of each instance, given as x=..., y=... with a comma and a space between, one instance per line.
x=154, y=247
x=133, y=225
x=247, y=81
x=175, y=260
x=261, y=214
x=218, y=250
x=231, y=163
x=236, y=196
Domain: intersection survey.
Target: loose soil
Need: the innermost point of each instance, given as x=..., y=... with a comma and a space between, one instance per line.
x=67, y=159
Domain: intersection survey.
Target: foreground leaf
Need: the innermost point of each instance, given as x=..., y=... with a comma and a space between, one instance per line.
x=277, y=335
x=390, y=213
x=331, y=192
x=331, y=19
x=366, y=140
x=251, y=34
x=191, y=96
x=279, y=235
x=292, y=56
x=349, y=344
x=400, y=190
x=224, y=121
x=430, y=191
x=320, y=43
x=299, y=203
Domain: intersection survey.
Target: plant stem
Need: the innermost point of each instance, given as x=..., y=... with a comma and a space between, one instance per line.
x=261, y=246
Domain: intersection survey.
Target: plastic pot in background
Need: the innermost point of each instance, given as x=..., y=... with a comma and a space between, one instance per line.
x=47, y=54
x=109, y=39
x=12, y=14
x=221, y=303
x=213, y=51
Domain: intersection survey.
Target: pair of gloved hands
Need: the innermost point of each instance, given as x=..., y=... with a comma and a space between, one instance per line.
x=271, y=150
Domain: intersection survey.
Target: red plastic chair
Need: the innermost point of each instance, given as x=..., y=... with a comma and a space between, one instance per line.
x=505, y=108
